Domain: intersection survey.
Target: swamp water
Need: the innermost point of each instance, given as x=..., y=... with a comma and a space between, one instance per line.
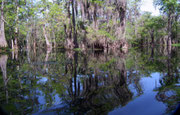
x=68, y=82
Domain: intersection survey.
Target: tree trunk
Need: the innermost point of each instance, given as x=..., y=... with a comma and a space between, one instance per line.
x=169, y=29
x=68, y=29
x=82, y=11
x=95, y=16
x=152, y=37
x=46, y=38
x=3, y=42
x=123, y=19
x=74, y=25
x=76, y=8
x=121, y=8
x=16, y=27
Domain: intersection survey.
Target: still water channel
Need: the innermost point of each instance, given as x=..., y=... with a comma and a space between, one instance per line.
x=138, y=82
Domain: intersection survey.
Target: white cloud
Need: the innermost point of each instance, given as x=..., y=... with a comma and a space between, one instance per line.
x=147, y=5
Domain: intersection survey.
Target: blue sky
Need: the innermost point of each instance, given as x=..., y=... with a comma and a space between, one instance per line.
x=147, y=5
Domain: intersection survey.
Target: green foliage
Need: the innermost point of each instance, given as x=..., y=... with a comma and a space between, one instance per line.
x=148, y=25
x=167, y=6
x=177, y=45
x=101, y=33
x=107, y=65
x=130, y=31
x=32, y=15
x=99, y=2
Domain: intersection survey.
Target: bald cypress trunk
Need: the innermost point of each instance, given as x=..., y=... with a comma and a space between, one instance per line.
x=169, y=29
x=74, y=25
x=16, y=27
x=95, y=16
x=121, y=7
x=82, y=10
x=49, y=45
x=3, y=42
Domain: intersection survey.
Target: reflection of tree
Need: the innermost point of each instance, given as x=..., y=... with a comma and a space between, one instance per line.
x=46, y=59
x=134, y=78
x=96, y=91
x=91, y=83
x=171, y=73
x=15, y=54
x=23, y=87
x=3, y=63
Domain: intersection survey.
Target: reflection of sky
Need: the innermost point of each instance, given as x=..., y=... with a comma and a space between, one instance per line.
x=133, y=89
x=42, y=80
x=143, y=105
x=146, y=104
x=150, y=83
x=41, y=98
x=56, y=100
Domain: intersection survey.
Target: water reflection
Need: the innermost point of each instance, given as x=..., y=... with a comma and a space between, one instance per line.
x=68, y=82
x=3, y=63
x=96, y=91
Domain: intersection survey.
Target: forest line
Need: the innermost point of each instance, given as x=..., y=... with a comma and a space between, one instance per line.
x=84, y=24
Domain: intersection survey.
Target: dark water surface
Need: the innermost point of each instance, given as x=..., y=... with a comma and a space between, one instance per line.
x=140, y=82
